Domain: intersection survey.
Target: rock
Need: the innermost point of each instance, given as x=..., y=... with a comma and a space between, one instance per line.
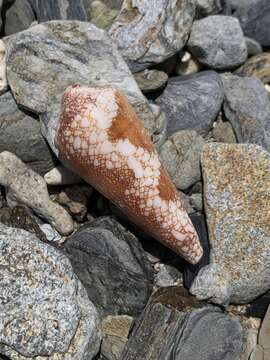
x=115, y=330
x=192, y=102
x=45, y=59
x=257, y=66
x=236, y=200
x=264, y=334
x=181, y=157
x=167, y=276
x=60, y=175
x=218, y=42
x=173, y=326
x=59, y=9
x=196, y=201
x=51, y=233
x=45, y=312
x=251, y=327
x=257, y=354
x=187, y=203
x=24, y=186
x=19, y=17
x=75, y=200
x=208, y=7
x=223, y=132
x=112, y=265
x=112, y=4
x=101, y=15
x=247, y=107
x=3, y=76
x=253, y=47
x=188, y=65
x=151, y=80
x=20, y=134
x=254, y=17
x=161, y=122
x=150, y=31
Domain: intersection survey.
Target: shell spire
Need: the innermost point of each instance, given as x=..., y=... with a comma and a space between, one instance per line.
x=102, y=140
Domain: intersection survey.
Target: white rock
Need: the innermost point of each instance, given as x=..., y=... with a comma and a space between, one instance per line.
x=3, y=77
x=60, y=175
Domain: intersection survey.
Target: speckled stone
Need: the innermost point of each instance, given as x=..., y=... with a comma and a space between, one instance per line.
x=151, y=80
x=257, y=66
x=236, y=199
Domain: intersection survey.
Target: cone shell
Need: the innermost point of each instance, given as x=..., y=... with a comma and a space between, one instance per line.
x=101, y=139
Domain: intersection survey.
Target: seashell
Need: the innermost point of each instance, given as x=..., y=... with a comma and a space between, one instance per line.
x=257, y=66
x=100, y=138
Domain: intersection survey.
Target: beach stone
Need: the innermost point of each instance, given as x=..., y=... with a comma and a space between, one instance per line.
x=24, y=186
x=20, y=134
x=150, y=31
x=151, y=80
x=181, y=157
x=223, y=132
x=192, y=102
x=173, y=326
x=112, y=265
x=3, y=76
x=45, y=312
x=257, y=66
x=60, y=175
x=208, y=7
x=247, y=107
x=264, y=334
x=59, y=9
x=101, y=15
x=187, y=65
x=253, y=47
x=45, y=59
x=236, y=189
x=18, y=17
x=217, y=42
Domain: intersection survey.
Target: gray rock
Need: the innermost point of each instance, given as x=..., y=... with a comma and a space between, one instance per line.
x=45, y=312
x=192, y=102
x=24, y=186
x=171, y=328
x=181, y=157
x=113, y=4
x=218, y=42
x=236, y=200
x=264, y=335
x=18, y=17
x=253, y=47
x=101, y=15
x=59, y=9
x=151, y=80
x=247, y=107
x=149, y=31
x=43, y=60
x=167, y=275
x=20, y=134
x=112, y=265
x=223, y=132
x=208, y=7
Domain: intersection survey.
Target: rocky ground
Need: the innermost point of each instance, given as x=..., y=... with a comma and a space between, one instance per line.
x=78, y=280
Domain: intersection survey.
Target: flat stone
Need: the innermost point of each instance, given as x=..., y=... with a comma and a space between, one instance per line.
x=192, y=102
x=24, y=186
x=181, y=157
x=45, y=312
x=59, y=9
x=150, y=31
x=45, y=59
x=257, y=66
x=21, y=135
x=151, y=80
x=217, y=41
x=236, y=200
x=247, y=107
x=18, y=17
x=112, y=265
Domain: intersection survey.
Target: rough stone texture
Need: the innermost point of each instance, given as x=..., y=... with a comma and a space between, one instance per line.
x=45, y=312
x=257, y=66
x=20, y=134
x=181, y=157
x=192, y=102
x=170, y=328
x=218, y=42
x=167, y=276
x=149, y=31
x=112, y=265
x=43, y=60
x=264, y=335
x=59, y=9
x=208, y=7
x=223, y=132
x=236, y=198
x=247, y=107
x=253, y=47
x=3, y=75
x=254, y=17
x=151, y=80
x=18, y=17
x=101, y=15
x=60, y=175
x=24, y=186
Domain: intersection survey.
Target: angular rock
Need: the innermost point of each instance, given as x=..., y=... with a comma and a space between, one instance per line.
x=24, y=186
x=18, y=17
x=101, y=15
x=167, y=276
x=218, y=42
x=247, y=107
x=150, y=31
x=43, y=60
x=236, y=199
x=59, y=9
x=181, y=157
x=60, y=175
x=173, y=326
x=151, y=80
x=20, y=134
x=45, y=312
x=257, y=66
x=192, y=102
x=208, y=7
x=112, y=265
